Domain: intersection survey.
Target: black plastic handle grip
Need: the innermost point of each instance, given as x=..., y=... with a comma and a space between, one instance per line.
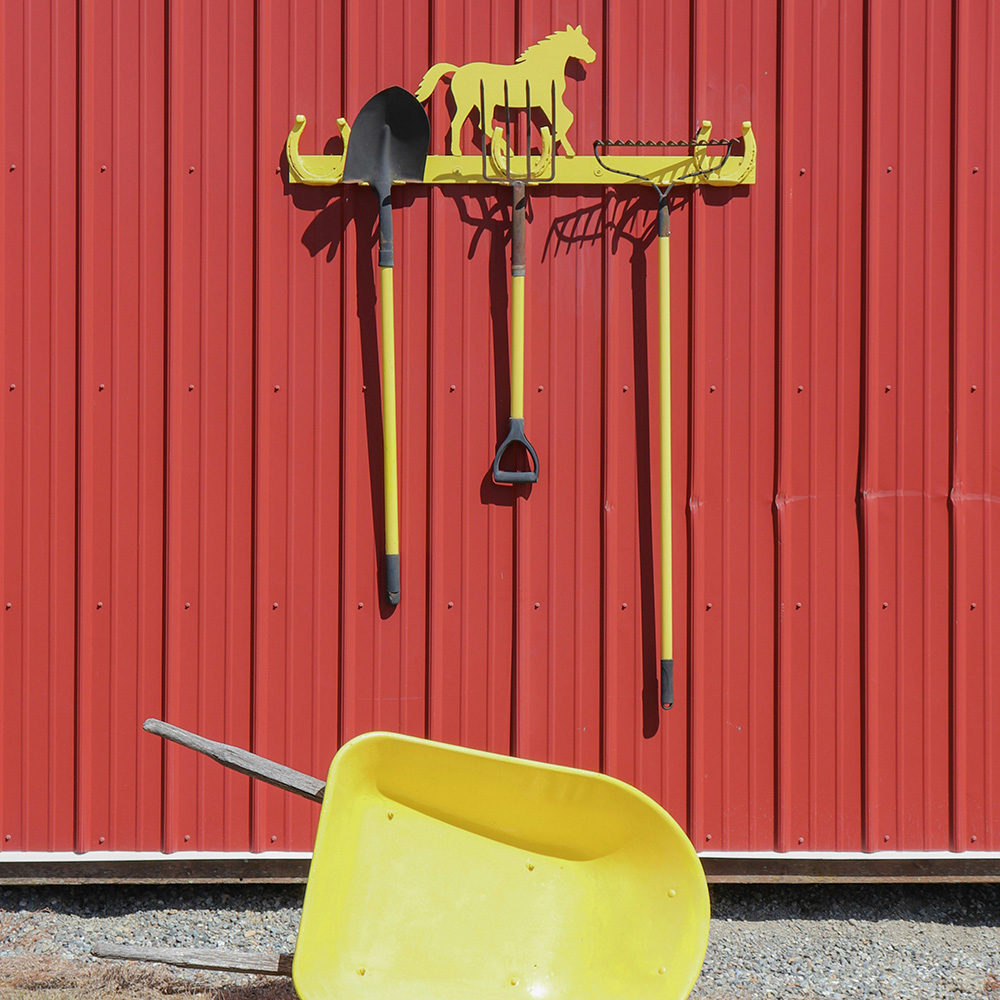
x=667, y=683
x=515, y=435
x=392, y=577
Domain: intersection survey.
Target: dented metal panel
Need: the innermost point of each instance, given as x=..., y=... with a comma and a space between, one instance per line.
x=192, y=446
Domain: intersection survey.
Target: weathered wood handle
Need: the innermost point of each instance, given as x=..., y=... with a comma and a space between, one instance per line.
x=241, y=760
x=268, y=963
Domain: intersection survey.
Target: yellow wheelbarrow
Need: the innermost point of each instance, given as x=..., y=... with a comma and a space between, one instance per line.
x=441, y=873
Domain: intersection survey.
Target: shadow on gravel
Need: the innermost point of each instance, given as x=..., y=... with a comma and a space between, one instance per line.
x=971, y=905
x=121, y=900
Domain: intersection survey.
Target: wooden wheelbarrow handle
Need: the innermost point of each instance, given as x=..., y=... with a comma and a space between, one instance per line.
x=242, y=760
x=266, y=963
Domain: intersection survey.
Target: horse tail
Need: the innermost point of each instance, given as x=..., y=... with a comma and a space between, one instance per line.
x=431, y=78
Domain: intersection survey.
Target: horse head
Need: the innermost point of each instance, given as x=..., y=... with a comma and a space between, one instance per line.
x=578, y=45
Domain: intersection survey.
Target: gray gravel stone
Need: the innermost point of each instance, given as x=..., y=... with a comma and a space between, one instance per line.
x=808, y=941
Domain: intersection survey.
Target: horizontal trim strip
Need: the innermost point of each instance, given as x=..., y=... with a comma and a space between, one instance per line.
x=282, y=868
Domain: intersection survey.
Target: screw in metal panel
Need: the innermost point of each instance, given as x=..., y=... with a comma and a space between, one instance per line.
x=624, y=606
x=451, y=388
x=100, y=604
x=187, y=837
x=885, y=604
x=7, y=837
x=9, y=605
x=802, y=171
x=389, y=814
x=972, y=607
x=191, y=387
x=529, y=866
x=191, y=170
x=100, y=388
x=708, y=836
x=277, y=388
x=972, y=389
x=274, y=607
x=800, y=388
x=888, y=170
x=362, y=971
x=12, y=387
x=671, y=893
x=274, y=838
x=798, y=605
x=974, y=838
x=708, y=607
x=624, y=388
x=975, y=170
x=537, y=605
x=451, y=604
x=711, y=388
x=100, y=840
x=886, y=837
x=361, y=604
x=802, y=840
x=187, y=605
x=104, y=167
x=541, y=388
x=888, y=388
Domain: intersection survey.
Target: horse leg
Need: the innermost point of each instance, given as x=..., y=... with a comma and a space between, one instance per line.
x=565, y=118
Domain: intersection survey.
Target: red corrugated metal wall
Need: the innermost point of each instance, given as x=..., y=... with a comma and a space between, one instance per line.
x=191, y=446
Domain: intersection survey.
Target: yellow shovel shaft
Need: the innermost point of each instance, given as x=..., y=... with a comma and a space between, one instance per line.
x=389, y=412
x=666, y=525
x=517, y=347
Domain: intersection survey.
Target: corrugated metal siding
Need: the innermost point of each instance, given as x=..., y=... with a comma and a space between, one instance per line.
x=191, y=443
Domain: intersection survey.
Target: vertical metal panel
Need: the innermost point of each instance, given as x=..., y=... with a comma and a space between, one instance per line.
x=975, y=694
x=210, y=351
x=818, y=743
x=557, y=525
x=121, y=426
x=192, y=439
x=734, y=69
x=298, y=542
x=38, y=437
x=904, y=479
x=475, y=575
x=641, y=744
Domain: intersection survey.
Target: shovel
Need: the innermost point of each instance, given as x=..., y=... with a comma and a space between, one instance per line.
x=388, y=143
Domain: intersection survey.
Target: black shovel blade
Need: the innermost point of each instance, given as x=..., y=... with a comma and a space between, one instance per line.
x=389, y=140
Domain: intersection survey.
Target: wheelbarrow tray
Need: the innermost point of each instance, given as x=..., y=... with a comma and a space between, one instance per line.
x=440, y=872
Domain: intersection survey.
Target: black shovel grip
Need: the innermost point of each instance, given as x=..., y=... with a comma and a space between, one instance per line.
x=516, y=436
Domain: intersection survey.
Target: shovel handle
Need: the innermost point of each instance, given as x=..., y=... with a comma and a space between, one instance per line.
x=390, y=474
x=666, y=461
x=241, y=760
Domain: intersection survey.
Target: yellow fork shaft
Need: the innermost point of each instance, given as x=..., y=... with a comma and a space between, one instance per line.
x=391, y=484
x=517, y=347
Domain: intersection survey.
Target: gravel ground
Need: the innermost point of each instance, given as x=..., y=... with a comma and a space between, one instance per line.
x=810, y=941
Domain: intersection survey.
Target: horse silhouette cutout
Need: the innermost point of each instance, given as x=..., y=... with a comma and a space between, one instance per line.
x=540, y=65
